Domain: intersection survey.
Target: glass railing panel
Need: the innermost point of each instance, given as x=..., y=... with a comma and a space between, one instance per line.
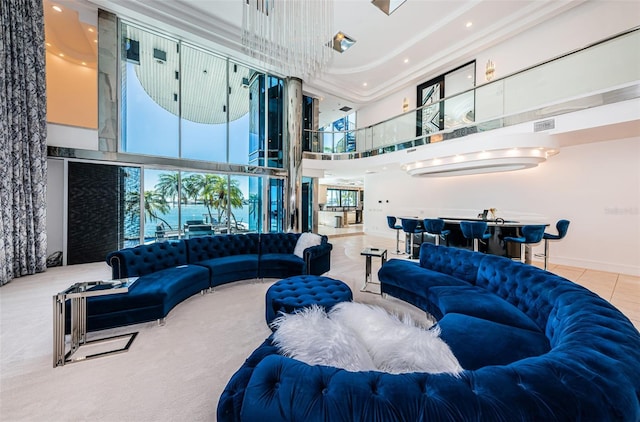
x=604, y=66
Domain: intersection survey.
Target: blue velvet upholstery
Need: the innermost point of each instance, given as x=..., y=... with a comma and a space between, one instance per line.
x=435, y=226
x=228, y=257
x=579, y=361
x=474, y=230
x=456, y=262
x=478, y=342
x=170, y=272
x=300, y=291
x=530, y=234
x=391, y=222
x=485, y=305
x=146, y=259
x=562, y=226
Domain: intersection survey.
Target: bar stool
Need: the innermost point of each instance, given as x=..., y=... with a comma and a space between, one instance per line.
x=391, y=221
x=562, y=226
x=410, y=227
x=435, y=226
x=475, y=230
x=530, y=234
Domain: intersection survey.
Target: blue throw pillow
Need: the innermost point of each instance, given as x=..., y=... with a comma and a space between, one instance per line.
x=477, y=342
x=480, y=303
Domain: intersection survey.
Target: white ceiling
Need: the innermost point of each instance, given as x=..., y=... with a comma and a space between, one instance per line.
x=430, y=35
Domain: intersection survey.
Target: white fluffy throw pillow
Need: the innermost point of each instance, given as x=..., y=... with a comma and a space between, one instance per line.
x=306, y=240
x=360, y=337
x=396, y=345
x=311, y=337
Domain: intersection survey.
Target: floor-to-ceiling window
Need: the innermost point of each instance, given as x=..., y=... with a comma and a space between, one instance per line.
x=187, y=103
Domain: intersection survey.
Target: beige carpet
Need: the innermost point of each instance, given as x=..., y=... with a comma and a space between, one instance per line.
x=174, y=372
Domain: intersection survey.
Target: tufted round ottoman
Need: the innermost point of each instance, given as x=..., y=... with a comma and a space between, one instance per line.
x=300, y=291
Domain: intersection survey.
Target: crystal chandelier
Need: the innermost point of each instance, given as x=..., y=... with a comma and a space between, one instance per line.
x=291, y=35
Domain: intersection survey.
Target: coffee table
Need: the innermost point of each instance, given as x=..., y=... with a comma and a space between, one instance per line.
x=370, y=252
x=77, y=294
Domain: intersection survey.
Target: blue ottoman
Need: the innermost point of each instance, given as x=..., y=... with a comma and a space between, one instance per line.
x=300, y=291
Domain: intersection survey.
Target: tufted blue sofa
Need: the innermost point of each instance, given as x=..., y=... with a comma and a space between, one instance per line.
x=535, y=347
x=170, y=272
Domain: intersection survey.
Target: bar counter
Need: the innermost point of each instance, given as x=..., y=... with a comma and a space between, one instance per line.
x=499, y=228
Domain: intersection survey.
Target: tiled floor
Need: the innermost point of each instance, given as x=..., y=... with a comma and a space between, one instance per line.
x=623, y=291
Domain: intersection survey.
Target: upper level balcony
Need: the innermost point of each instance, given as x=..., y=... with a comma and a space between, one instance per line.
x=509, y=123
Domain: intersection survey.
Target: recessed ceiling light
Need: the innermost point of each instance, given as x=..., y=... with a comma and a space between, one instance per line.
x=364, y=84
x=84, y=63
x=90, y=29
x=406, y=60
x=469, y=76
x=469, y=24
x=48, y=44
x=61, y=55
x=95, y=41
x=57, y=8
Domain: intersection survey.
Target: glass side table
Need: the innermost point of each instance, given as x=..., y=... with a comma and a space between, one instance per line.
x=371, y=252
x=77, y=295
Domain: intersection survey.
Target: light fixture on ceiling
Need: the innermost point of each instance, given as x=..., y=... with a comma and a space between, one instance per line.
x=342, y=42
x=388, y=6
x=57, y=8
x=487, y=154
x=289, y=35
x=483, y=162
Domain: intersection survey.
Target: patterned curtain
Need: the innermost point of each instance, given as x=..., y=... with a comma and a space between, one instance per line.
x=23, y=143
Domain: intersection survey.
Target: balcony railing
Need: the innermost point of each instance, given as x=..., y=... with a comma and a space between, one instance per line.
x=603, y=73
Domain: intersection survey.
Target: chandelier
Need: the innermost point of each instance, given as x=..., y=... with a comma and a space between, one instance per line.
x=291, y=35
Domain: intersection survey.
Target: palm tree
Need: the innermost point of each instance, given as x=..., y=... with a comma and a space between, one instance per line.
x=154, y=205
x=219, y=195
x=169, y=185
x=191, y=186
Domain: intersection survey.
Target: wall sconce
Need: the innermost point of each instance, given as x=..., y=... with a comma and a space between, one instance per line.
x=490, y=70
x=405, y=105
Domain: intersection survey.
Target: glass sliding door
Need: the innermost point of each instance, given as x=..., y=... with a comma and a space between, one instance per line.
x=162, y=193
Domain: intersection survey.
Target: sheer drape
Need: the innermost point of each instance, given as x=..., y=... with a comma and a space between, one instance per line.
x=23, y=169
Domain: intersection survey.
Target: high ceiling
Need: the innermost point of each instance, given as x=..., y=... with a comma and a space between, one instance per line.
x=420, y=40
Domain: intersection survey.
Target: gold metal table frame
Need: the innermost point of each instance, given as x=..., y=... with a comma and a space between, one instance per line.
x=77, y=295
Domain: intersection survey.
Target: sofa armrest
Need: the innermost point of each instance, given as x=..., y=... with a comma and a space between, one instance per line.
x=116, y=261
x=317, y=259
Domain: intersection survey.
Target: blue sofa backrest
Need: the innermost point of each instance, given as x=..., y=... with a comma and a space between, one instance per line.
x=146, y=259
x=278, y=242
x=209, y=247
x=456, y=262
x=524, y=286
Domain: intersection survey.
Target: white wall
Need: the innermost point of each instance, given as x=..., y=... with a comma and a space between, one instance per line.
x=596, y=186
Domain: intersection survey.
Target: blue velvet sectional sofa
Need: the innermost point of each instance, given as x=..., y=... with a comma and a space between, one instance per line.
x=172, y=271
x=535, y=347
